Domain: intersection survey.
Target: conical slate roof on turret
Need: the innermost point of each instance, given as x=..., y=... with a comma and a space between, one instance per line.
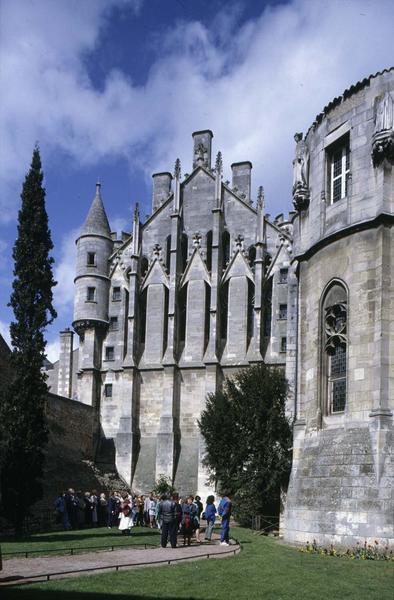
x=97, y=221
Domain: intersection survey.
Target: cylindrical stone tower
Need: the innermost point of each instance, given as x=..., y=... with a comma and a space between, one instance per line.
x=341, y=486
x=92, y=284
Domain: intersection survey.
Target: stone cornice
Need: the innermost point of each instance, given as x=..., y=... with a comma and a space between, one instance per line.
x=382, y=219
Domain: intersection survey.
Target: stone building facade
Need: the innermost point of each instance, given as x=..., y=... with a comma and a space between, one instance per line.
x=341, y=485
x=165, y=313
x=209, y=284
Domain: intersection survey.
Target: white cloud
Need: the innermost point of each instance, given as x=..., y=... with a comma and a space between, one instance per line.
x=5, y=332
x=64, y=273
x=120, y=224
x=254, y=85
x=52, y=351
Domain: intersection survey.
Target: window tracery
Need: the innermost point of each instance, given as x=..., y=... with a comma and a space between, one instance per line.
x=335, y=341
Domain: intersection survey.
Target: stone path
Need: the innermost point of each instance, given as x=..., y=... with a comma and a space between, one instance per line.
x=26, y=570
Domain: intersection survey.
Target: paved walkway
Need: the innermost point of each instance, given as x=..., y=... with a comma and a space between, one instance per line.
x=26, y=570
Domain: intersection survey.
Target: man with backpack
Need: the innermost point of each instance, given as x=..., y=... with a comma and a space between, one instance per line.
x=167, y=515
x=224, y=511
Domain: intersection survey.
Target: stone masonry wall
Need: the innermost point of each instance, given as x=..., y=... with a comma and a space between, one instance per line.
x=335, y=496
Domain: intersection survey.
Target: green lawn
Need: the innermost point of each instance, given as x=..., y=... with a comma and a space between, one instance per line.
x=63, y=540
x=264, y=569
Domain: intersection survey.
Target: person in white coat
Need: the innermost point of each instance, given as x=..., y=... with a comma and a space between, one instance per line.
x=125, y=518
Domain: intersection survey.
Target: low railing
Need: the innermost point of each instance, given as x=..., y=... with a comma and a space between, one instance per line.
x=76, y=549
x=117, y=567
x=265, y=524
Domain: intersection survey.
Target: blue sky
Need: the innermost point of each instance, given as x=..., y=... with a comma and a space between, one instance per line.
x=113, y=89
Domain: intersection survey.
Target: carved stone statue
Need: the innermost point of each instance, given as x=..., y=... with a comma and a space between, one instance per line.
x=301, y=193
x=384, y=114
x=383, y=138
x=200, y=155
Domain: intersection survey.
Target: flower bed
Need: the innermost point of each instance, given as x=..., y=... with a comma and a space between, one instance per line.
x=359, y=551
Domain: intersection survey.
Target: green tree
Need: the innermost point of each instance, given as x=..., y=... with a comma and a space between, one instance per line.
x=248, y=440
x=163, y=485
x=22, y=412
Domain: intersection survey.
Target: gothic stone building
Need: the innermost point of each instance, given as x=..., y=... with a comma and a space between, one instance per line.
x=209, y=284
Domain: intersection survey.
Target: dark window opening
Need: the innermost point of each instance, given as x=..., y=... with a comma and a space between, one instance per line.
x=108, y=390
x=182, y=305
x=282, y=311
x=113, y=323
x=283, y=274
x=250, y=323
x=252, y=255
x=144, y=265
x=184, y=251
x=267, y=299
x=283, y=344
x=142, y=316
x=126, y=323
x=207, y=314
x=91, y=259
x=109, y=353
x=168, y=252
x=209, y=250
x=91, y=294
x=165, y=323
x=224, y=312
x=116, y=294
x=225, y=248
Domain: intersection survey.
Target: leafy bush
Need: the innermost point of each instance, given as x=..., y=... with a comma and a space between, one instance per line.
x=248, y=439
x=163, y=486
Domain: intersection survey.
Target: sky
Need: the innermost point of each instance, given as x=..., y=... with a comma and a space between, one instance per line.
x=113, y=89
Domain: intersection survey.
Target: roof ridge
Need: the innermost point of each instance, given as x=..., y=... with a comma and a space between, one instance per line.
x=356, y=87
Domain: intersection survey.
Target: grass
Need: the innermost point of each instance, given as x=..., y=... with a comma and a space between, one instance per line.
x=62, y=541
x=265, y=569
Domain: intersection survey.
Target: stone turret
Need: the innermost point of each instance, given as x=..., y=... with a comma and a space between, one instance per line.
x=94, y=247
x=92, y=284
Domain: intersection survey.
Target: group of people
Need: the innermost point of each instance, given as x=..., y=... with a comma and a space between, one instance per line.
x=184, y=516
x=77, y=510
x=171, y=514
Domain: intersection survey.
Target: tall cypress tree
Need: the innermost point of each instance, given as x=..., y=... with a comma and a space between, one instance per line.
x=22, y=412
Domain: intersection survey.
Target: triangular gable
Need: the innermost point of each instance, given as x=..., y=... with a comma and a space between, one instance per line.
x=196, y=269
x=238, y=267
x=241, y=201
x=278, y=230
x=158, y=211
x=156, y=274
x=116, y=271
x=195, y=172
x=121, y=248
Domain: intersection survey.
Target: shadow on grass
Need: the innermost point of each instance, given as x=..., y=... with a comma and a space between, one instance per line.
x=26, y=593
x=78, y=535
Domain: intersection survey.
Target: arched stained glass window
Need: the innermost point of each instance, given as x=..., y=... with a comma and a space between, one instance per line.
x=334, y=347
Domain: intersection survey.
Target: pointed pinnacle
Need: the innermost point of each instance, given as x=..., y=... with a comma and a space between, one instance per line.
x=136, y=212
x=177, y=170
x=260, y=197
x=219, y=162
x=98, y=188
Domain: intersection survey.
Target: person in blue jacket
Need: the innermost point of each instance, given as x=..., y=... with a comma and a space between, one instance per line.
x=224, y=511
x=210, y=512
